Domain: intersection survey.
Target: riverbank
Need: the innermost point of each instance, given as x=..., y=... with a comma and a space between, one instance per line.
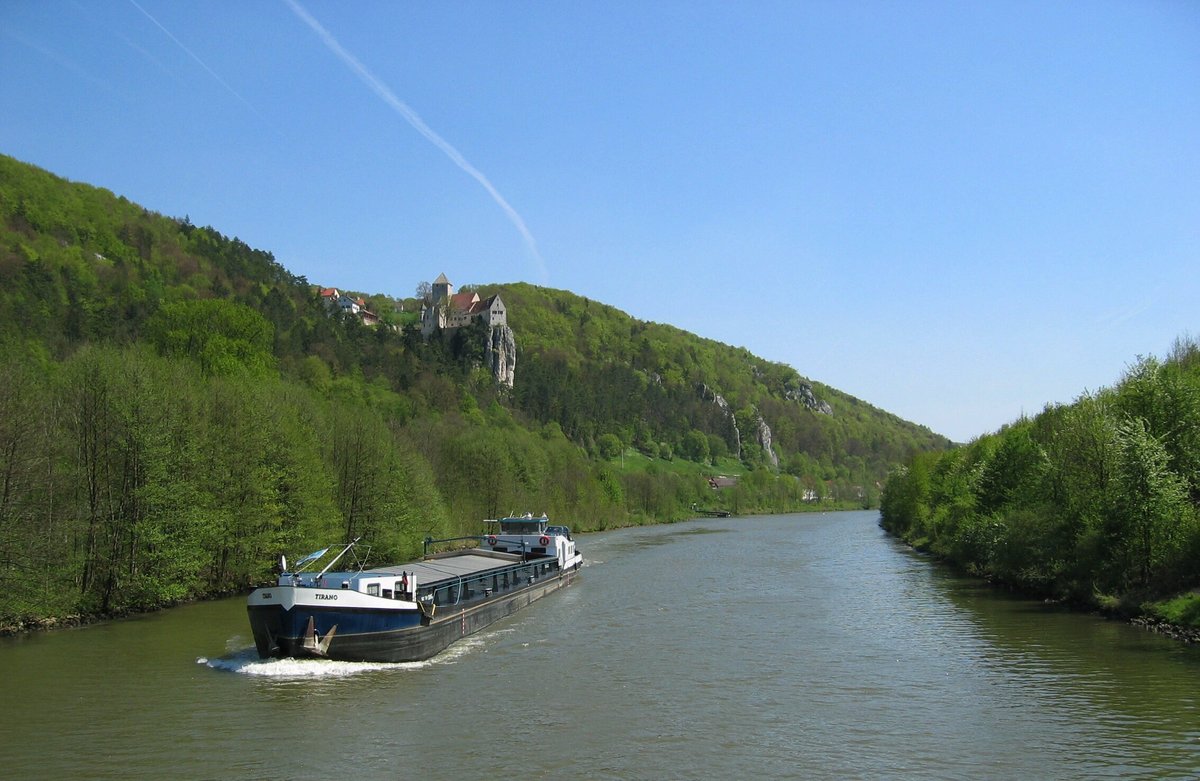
x=30, y=625
x=15, y=627
x=25, y=609
x=1150, y=616
x=1174, y=631
x=1177, y=618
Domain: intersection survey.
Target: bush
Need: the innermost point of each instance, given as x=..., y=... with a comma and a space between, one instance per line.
x=609, y=446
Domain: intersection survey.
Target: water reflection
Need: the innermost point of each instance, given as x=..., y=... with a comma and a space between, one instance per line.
x=1139, y=692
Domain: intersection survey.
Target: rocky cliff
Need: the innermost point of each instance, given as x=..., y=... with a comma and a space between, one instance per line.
x=708, y=394
x=761, y=435
x=500, y=354
x=764, y=440
x=803, y=393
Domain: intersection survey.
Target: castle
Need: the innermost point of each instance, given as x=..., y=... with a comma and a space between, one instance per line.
x=445, y=310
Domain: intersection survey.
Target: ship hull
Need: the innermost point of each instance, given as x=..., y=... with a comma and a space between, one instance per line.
x=281, y=627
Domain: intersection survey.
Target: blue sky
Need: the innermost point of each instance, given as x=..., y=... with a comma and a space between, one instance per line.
x=958, y=212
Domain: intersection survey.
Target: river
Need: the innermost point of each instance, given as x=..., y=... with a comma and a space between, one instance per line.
x=792, y=646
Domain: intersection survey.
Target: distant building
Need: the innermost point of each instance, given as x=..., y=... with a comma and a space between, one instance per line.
x=335, y=300
x=445, y=310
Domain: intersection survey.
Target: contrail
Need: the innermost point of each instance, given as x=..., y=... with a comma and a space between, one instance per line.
x=201, y=62
x=64, y=62
x=419, y=125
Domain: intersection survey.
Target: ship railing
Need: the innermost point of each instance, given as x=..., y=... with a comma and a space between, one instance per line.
x=429, y=541
x=481, y=541
x=481, y=586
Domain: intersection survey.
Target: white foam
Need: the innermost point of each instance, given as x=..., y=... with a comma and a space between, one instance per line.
x=247, y=662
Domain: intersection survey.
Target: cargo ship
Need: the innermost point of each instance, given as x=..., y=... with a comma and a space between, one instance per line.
x=410, y=612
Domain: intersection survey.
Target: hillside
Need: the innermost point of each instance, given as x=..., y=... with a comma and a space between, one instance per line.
x=595, y=370
x=176, y=408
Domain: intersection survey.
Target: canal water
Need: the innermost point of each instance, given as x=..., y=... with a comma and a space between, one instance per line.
x=795, y=646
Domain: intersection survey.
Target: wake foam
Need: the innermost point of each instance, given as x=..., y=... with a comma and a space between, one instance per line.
x=247, y=662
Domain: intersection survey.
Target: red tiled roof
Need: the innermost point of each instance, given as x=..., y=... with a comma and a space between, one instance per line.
x=464, y=301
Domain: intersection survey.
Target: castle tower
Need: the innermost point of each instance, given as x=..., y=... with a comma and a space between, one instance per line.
x=433, y=312
x=442, y=289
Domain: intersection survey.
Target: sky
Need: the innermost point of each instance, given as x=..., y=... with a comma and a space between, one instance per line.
x=957, y=212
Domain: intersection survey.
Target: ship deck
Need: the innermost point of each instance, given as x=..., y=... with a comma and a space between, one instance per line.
x=464, y=565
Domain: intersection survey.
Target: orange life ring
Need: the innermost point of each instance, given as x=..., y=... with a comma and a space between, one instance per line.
x=491, y=539
x=543, y=541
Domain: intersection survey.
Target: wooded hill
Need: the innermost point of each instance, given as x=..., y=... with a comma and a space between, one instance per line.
x=177, y=408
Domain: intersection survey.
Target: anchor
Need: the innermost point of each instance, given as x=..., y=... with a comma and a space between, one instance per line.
x=315, y=645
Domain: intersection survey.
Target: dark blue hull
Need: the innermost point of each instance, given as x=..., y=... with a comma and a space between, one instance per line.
x=365, y=635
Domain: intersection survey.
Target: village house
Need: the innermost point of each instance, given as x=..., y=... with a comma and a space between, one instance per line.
x=335, y=300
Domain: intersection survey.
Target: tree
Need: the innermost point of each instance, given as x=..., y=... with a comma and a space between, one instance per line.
x=34, y=554
x=717, y=447
x=1014, y=473
x=360, y=448
x=609, y=446
x=221, y=336
x=694, y=446
x=1149, y=508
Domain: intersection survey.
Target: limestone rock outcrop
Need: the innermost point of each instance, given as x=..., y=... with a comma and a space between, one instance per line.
x=500, y=354
x=803, y=393
x=764, y=440
x=708, y=394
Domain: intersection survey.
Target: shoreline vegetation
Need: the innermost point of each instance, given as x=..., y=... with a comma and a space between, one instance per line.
x=1149, y=622
x=10, y=627
x=1094, y=504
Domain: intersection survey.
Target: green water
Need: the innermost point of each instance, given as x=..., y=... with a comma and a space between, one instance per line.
x=806, y=646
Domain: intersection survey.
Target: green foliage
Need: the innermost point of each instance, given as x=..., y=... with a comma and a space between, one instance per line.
x=1183, y=610
x=609, y=446
x=222, y=336
x=1086, y=501
x=694, y=446
x=1147, y=526
x=176, y=409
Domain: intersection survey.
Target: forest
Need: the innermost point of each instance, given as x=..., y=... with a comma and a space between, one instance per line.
x=177, y=408
x=1096, y=503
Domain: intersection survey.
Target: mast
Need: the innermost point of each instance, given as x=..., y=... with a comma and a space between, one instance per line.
x=352, y=543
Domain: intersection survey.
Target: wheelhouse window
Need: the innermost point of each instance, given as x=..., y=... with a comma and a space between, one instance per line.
x=372, y=589
x=510, y=526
